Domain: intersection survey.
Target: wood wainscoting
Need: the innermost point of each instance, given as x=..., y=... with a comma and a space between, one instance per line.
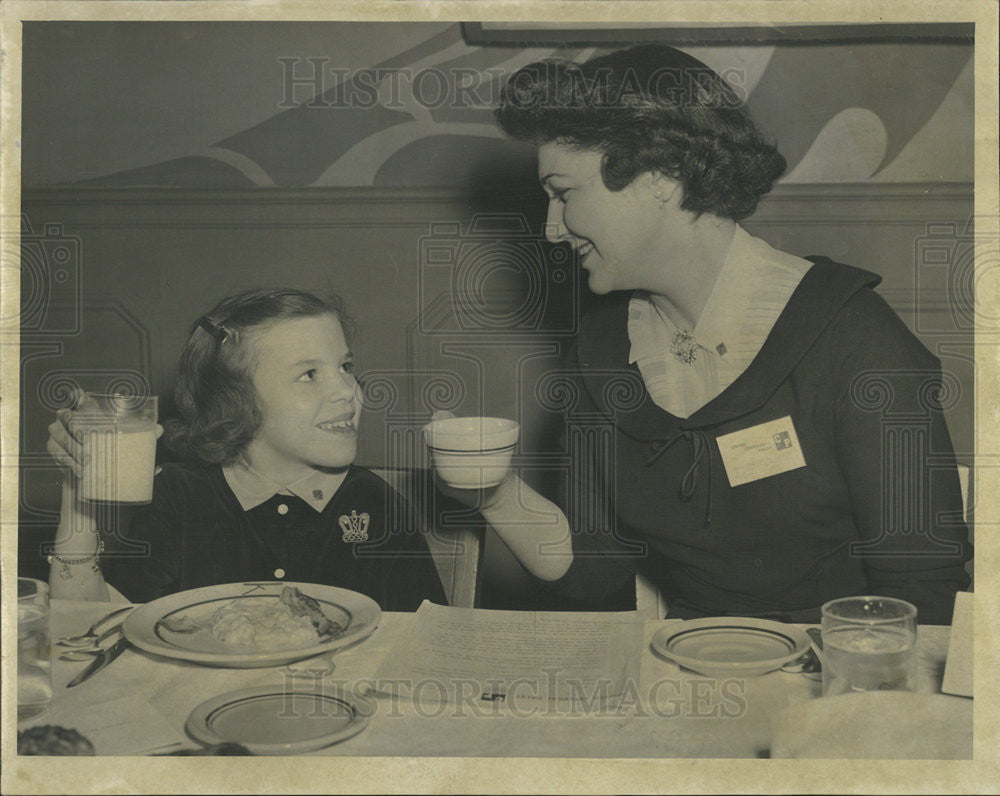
x=112, y=278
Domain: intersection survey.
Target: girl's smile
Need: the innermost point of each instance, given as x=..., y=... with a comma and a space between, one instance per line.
x=340, y=425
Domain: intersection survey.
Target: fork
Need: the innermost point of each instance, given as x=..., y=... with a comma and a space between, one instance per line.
x=806, y=663
x=80, y=655
x=90, y=637
x=84, y=653
x=812, y=659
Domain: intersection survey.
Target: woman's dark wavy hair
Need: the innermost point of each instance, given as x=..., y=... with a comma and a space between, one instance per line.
x=219, y=412
x=649, y=108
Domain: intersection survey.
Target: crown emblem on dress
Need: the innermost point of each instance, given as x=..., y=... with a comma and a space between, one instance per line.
x=355, y=526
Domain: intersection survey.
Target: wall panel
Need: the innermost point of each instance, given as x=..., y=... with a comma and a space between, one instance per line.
x=146, y=262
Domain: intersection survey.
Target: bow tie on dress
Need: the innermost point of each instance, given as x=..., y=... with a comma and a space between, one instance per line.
x=701, y=450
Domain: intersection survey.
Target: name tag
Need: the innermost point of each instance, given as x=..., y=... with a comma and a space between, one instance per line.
x=761, y=451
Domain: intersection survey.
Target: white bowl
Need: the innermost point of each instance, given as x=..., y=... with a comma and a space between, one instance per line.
x=472, y=452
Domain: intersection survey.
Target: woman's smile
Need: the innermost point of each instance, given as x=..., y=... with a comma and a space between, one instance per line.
x=615, y=234
x=582, y=250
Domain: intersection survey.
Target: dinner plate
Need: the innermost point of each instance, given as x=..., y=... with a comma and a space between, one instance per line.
x=729, y=645
x=278, y=720
x=145, y=628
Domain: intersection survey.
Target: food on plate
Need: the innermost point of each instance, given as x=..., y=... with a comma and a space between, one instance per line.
x=261, y=624
x=303, y=605
x=293, y=620
x=51, y=739
x=181, y=623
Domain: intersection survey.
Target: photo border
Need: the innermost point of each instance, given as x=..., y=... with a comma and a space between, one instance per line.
x=525, y=775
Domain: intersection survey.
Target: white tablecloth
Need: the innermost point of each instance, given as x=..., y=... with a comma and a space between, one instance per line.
x=141, y=702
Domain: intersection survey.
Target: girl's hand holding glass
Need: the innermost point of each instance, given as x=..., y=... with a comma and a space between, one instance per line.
x=62, y=446
x=126, y=446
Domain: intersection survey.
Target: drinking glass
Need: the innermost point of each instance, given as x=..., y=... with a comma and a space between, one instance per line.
x=34, y=664
x=119, y=444
x=868, y=645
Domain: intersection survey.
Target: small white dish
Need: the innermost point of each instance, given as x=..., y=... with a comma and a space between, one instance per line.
x=472, y=452
x=280, y=720
x=730, y=646
x=357, y=613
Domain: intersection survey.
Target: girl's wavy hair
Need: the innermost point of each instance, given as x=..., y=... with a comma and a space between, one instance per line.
x=214, y=393
x=649, y=108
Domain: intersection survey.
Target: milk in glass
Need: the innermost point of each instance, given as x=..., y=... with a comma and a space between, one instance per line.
x=118, y=433
x=119, y=464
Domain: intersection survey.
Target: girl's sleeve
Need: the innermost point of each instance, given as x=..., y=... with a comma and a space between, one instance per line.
x=410, y=575
x=896, y=455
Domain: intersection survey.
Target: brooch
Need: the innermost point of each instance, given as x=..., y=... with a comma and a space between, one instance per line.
x=684, y=346
x=355, y=526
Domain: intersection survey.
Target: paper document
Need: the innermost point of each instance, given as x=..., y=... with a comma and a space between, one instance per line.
x=958, y=667
x=465, y=653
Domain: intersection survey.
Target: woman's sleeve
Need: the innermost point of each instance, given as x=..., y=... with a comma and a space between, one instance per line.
x=145, y=563
x=604, y=559
x=897, y=458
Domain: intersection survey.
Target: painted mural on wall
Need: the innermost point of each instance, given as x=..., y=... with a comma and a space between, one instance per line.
x=898, y=112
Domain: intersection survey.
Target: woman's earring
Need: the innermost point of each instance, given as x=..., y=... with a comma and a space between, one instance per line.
x=659, y=195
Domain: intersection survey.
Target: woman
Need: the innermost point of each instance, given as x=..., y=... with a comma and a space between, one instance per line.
x=751, y=471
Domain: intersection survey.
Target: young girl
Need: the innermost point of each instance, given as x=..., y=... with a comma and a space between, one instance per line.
x=268, y=432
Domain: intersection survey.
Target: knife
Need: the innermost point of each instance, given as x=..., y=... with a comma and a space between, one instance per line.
x=102, y=660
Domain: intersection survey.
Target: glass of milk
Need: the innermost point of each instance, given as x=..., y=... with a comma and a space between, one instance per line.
x=118, y=433
x=869, y=644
